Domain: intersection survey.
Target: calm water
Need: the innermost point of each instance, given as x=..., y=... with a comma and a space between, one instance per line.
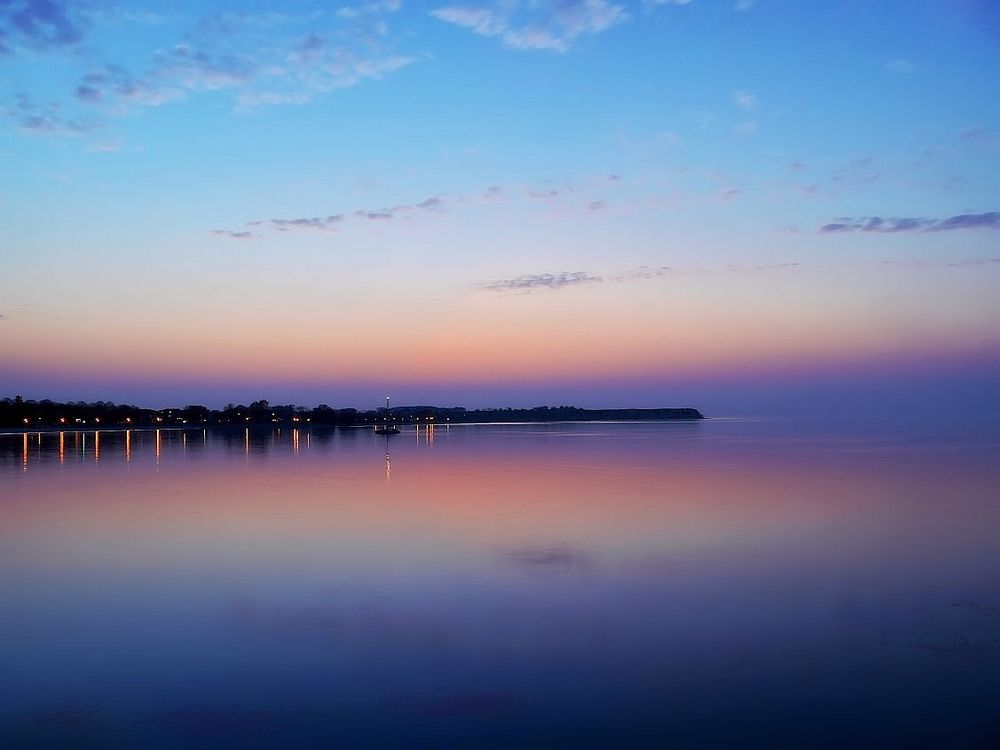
x=726, y=583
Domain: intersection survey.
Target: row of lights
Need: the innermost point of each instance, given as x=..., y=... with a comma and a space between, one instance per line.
x=79, y=420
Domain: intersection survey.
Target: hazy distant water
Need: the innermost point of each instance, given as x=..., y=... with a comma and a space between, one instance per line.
x=727, y=583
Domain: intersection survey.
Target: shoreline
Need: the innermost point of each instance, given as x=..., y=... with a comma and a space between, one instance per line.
x=263, y=425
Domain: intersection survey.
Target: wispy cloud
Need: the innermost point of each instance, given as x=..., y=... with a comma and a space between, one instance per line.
x=233, y=235
x=543, y=195
x=197, y=70
x=493, y=193
x=649, y=4
x=964, y=263
x=564, y=279
x=526, y=283
x=322, y=224
x=987, y=220
x=38, y=24
x=900, y=66
x=973, y=262
x=532, y=281
x=745, y=100
x=333, y=222
x=546, y=25
x=975, y=134
x=117, y=89
x=644, y=272
x=34, y=116
x=218, y=52
x=369, y=8
x=319, y=63
x=581, y=197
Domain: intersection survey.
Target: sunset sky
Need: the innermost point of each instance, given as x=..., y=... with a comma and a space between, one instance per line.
x=706, y=203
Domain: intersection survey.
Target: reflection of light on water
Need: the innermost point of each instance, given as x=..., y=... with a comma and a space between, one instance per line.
x=157, y=447
x=97, y=447
x=246, y=441
x=24, y=451
x=295, y=440
x=128, y=445
x=428, y=432
x=62, y=447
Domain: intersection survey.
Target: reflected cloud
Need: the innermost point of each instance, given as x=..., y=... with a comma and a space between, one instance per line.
x=556, y=558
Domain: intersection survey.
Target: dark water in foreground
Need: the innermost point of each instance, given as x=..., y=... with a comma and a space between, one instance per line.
x=725, y=583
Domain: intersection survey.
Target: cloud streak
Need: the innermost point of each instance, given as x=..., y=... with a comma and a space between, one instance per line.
x=530, y=282
x=880, y=225
x=434, y=204
x=551, y=26
x=527, y=283
x=333, y=222
x=966, y=263
x=563, y=279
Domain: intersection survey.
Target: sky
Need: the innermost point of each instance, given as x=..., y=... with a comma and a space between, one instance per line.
x=739, y=205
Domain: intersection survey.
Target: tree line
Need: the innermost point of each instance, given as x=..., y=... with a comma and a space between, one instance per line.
x=23, y=413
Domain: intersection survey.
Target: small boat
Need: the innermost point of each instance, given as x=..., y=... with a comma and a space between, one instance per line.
x=386, y=429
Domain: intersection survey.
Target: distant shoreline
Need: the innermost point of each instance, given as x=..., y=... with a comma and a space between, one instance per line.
x=6, y=431
x=20, y=415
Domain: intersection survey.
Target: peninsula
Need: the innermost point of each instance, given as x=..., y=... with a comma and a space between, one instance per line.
x=19, y=413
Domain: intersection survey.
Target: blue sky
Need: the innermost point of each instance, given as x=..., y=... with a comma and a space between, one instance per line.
x=634, y=195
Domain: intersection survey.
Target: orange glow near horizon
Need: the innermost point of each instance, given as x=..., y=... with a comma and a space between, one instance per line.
x=689, y=328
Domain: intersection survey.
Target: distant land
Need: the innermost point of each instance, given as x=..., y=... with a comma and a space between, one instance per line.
x=26, y=414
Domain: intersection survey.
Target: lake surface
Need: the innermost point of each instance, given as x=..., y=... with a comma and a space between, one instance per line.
x=728, y=583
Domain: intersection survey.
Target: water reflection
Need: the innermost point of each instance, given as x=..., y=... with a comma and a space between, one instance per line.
x=717, y=584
